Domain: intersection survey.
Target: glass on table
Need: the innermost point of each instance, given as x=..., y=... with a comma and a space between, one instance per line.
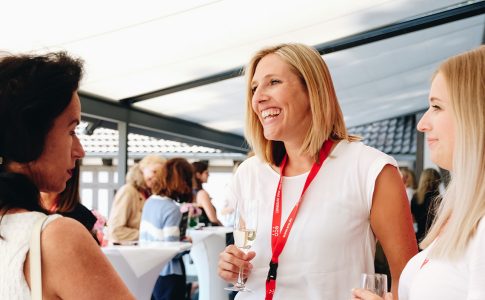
x=376, y=283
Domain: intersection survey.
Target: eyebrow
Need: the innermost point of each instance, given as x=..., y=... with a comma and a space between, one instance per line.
x=265, y=76
x=435, y=99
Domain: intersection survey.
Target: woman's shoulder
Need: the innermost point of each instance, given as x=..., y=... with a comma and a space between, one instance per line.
x=365, y=156
x=127, y=188
x=251, y=165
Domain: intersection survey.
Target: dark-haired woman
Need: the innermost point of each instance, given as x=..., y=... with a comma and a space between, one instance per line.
x=160, y=221
x=202, y=198
x=39, y=111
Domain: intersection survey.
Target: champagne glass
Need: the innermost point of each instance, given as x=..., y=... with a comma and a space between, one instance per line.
x=376, y=283
x=245, y=225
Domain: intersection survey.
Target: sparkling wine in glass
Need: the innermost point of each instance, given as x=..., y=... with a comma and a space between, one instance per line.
x=376, y=283
x=245, y=225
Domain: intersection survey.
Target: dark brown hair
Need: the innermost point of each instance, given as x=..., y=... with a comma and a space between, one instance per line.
x=199, y=167
x=34, y=91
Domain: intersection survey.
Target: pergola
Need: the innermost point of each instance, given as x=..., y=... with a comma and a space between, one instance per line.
x=172, y=69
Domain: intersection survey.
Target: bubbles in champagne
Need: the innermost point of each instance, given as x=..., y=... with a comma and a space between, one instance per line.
x=244, y=238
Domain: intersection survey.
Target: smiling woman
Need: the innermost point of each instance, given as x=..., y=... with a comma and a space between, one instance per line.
x=330, y=191
x=39, y=110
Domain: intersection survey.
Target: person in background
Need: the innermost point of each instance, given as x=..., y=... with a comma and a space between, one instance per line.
x=68, y=203
x=150, y=166
x=425, y=200
x=39, y=111
x=353, y=198
x=161, y=220
x=202, y=198
x=125, y=215
x=409, y=181
x=452, y=264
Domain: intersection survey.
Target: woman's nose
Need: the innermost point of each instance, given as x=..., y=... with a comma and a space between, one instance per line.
x=423, y=124
x=78, y=150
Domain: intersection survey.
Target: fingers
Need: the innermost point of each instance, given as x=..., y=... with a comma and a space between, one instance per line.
x=366, y=295
x=231, y=260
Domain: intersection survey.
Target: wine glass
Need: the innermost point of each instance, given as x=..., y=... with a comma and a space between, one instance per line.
x=245, y=225
x=376, y=283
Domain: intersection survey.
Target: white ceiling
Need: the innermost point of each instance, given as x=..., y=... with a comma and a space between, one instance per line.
x=138, y=47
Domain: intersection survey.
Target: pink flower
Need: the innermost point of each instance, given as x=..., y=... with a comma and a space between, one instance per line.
x=100, y=222
x=193, y=210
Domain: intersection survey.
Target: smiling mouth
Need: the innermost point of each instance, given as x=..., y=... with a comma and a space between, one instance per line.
x=270, y=113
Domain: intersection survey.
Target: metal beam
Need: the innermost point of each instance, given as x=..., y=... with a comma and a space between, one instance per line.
x=448, y=14
x=122, y=167
x=161, y=126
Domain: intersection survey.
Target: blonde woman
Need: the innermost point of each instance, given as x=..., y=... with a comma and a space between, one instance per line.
x=452, y=264
x=356, y=196
x=125, y=215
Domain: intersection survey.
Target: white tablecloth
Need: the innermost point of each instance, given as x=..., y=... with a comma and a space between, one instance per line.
x=208, y=243
x=139, y=266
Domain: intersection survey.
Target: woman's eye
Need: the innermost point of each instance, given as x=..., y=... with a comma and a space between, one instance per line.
x=274, y=81
x=435, y=107
x=253, y=89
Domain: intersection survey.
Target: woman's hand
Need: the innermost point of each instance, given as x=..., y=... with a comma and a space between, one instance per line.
x=362, y=294
x=231, y=260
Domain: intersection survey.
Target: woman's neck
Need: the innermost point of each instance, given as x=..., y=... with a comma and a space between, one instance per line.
x=297, y=163
x=49, y=200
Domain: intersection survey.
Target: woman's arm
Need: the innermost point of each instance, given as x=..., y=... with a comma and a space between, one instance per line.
x=204, y=201
x=391, y=222
x=73, y=266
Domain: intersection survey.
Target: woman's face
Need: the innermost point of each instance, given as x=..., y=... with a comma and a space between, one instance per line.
x=150, y=174
x=62, y=148
x=280, y=101
x=203, y=177
x=438, y=124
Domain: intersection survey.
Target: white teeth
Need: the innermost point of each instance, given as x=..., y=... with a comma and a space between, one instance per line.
x=270, y=112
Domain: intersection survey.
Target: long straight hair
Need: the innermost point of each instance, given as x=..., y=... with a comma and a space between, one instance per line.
x=463, y=205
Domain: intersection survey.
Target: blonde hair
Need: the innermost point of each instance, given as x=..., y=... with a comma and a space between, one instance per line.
x=151, y=159
x=134, y=176
x=463, y=204
x=429, y=181
x=327, y=118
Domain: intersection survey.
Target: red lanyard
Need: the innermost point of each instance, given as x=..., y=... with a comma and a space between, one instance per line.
x=279, y=238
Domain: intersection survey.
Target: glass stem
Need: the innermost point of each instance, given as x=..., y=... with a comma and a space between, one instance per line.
x=240, y=279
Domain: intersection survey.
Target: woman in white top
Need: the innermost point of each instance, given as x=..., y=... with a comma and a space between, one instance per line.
x=452, y=265
x=39, y=111
x=356, y=196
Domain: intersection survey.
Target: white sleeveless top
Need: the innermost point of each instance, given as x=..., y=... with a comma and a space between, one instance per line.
x=16, y=230
x=331, y=242
x=462, y=279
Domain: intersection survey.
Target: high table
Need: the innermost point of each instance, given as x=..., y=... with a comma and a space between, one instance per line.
x=207, y=244
x=140, y=265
